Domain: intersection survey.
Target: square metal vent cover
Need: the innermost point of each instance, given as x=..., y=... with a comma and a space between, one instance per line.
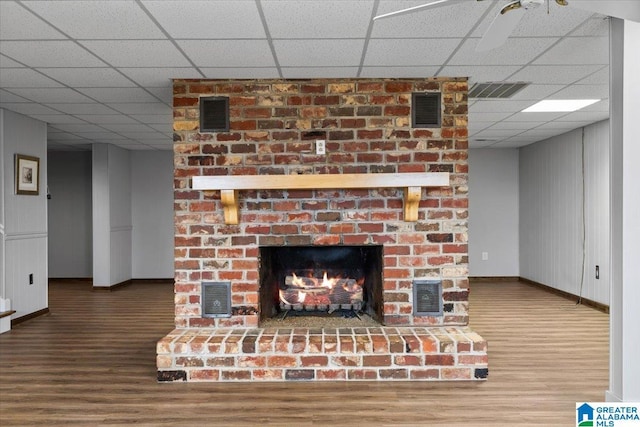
x=427, y=297
x=216, y=299
x=426, y=110
x=496, y=89
x=214, y=114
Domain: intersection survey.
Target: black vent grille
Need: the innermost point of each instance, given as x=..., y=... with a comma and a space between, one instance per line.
x=427, y=297
x=214, y=114
x=499, y=90
x=426, y=110
x=216, y=299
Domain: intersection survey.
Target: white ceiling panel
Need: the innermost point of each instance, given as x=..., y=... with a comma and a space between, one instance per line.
x=520, y=126
x=159, y=77
x=51, y=95
x=118, y=94
x=599, y=77
x=578, y=51
x=536, y=92
x=137, y=53
x=514, y=52
x=102, y=119
x=399, y=52
x=16, y=23
x=583, y=92
x=50, y=54
x=496, y=133
x=57, y=118
x=417, y=71
x=485, y=73
x=142, y=108
x=318, y=72
x=152, y=119
x=534, y=117
x=25, y=77
x=8, y=97
x=218, y=19
x=88, y=77
x=597, y=25
x=499, y=105
x=97, y=19
x=555, y=74
x=329, y=19
x=9, y=63
x=83, y=108
x=555, y=21
x=239, y=73
x=487, y=117
x=299, y=53
x=586, y=116
x=228, y=53
x=78, y=129
x=454, y=21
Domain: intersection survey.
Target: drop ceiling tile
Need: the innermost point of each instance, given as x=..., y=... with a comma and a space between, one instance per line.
x=583, y=92
x=51, y=95
x=165, y=94
x=399, y=52
x=8, y=62
x=599, y=77
x=142, y=136
x=577, y=51
x=487, y=117
x=514, y=143
x=240, y=72
x=50, y=54
x=57, y=118
x=590, y=116
x=477, y=74
x=165, y=128
x=515, y=52
x=159, y=77
x=88, y=77
x=126, y=127
x=418, y=71
x=25, y=77
x=305, y=53
x=27, y=108
x=496, y=133
x=557, y=21
x=480, y=144
x=555, y=74
x=596, y=26
x=77, y=128
x=118, y=94
x=600, y=106
x=520, y=126
x=228, y=53
x=319, y=72
x=17, y=23
x=453, y=20
x=142, y=108
x=82, y=108
x=542, y=133
x=208, y=19
x=54, y=134
x=103, y=119
x=101, y=136
x=137, y=53
x=534, y=117
x=328, y=19
x=563, y=125
x=500, y=105
x=97, y=19
x=8, y=97
x=537, y=91
x=153, y=119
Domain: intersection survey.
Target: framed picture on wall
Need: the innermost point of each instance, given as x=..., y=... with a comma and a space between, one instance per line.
x=27, y=175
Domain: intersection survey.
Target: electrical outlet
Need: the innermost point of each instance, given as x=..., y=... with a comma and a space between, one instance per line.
x=320, y=147
x=31, y=278
x=597, y=272
x=485, y=256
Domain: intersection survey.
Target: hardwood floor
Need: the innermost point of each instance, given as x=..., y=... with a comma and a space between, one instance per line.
x=91, y=361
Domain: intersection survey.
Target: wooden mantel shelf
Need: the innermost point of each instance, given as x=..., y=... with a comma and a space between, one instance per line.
x=412, y=184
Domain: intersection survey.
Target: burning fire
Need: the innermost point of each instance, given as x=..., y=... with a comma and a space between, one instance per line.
x=316, y=291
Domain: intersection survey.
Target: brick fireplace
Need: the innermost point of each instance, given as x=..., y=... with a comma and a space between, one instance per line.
x=274, y=126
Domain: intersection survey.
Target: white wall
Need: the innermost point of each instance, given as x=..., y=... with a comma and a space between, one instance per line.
x=24, y=217
x=551, y=212
x=493, y=212
x=70, y=221
x=152, y=210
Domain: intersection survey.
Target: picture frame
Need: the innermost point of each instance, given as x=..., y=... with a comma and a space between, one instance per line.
x=27, y=175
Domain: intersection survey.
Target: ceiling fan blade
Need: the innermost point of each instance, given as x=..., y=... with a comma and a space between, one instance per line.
x=500, y=29
x=430, y=5
x=623, y=9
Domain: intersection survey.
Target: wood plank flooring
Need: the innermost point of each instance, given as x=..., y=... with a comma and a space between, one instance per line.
x=91, y=362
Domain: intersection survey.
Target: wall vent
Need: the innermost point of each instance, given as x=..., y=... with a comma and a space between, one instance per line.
x=496, y=90
x=214, y=114
x=427, y=297
x=426, y=110
x=216, y=299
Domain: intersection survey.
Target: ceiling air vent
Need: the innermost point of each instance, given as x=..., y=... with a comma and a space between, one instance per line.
x=425, y=110
x=214, y=114
x=216, y=299
x=496, y=90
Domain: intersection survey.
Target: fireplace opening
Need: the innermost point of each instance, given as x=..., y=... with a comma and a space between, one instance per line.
x=321, y=281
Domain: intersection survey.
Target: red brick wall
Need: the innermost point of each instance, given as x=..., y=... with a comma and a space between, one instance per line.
x=367, y=127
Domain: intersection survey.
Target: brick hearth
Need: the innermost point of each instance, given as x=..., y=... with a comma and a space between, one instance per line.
x=278, y=354
x=367, y=126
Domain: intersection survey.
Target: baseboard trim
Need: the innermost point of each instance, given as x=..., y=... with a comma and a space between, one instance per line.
x=151, y=281
x=111, y=288
x=494, y=278
x=584, y=301
x=29, y=316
